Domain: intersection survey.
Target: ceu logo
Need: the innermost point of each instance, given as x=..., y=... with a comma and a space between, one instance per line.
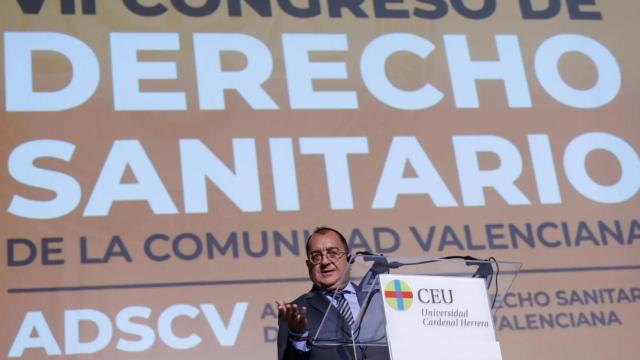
x=398, y=295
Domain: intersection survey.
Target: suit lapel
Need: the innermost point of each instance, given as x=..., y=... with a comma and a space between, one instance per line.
x=317, y=301
x=335, y=325
x=317, y=305
x=361, y=295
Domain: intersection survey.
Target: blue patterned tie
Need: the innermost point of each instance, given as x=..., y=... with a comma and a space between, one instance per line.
x=344, y=309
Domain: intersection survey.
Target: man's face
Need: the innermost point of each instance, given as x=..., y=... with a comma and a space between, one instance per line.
x=327, y=274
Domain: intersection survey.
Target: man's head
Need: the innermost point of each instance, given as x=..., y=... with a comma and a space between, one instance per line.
x=327, y=253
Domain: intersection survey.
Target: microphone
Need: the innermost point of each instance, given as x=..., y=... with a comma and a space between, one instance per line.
x=380, y=266
x=484, y=270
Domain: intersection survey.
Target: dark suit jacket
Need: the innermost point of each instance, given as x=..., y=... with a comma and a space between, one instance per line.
x=334, y=327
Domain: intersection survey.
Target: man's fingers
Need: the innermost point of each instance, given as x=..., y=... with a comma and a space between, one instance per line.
x=302, y=317
x=295, y=313
x=295, y=316
x=291, y=311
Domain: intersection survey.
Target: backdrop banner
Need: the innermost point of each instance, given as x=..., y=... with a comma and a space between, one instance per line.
x=165, y=160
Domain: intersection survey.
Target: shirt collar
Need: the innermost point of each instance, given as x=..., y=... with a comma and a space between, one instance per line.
x=349, y=289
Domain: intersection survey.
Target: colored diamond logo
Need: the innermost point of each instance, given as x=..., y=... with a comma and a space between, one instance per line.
x=398, y=295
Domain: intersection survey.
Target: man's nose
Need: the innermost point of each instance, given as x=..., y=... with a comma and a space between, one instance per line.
x=325, y=260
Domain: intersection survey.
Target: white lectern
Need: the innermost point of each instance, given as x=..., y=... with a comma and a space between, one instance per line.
x=414, y=308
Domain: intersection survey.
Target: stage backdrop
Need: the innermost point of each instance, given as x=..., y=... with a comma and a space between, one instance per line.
x=164, y=160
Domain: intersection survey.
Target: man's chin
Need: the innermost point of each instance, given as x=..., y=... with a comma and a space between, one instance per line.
x=329, y=285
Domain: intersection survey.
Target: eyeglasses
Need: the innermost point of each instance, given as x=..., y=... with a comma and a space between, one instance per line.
x=332, y=255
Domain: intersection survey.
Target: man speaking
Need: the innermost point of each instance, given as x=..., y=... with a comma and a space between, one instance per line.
x=299, y=321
